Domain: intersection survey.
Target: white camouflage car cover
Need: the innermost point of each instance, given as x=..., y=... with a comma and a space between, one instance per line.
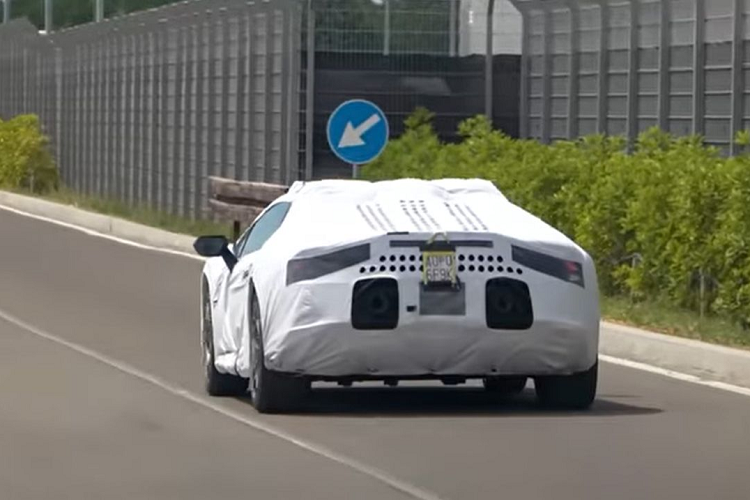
x=337, y=232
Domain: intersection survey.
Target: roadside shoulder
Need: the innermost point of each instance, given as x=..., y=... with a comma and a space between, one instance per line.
x=99, y=223
x=707, y=361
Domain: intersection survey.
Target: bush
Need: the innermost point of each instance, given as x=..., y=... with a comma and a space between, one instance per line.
x=667, y=221
x=25, y=161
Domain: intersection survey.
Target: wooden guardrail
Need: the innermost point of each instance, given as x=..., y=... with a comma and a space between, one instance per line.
x=240, y=202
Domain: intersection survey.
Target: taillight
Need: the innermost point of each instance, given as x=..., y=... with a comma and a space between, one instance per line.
x=566, y=270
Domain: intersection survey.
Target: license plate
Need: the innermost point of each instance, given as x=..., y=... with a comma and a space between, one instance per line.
x=439, y=268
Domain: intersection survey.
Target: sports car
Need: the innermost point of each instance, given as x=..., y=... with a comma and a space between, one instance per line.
x=350, y=281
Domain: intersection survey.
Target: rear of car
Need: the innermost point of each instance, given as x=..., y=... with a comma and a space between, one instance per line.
x=415, y=306
x=413, y=279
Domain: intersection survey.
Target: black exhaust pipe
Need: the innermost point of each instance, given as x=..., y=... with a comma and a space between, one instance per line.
x=375, y=304
x=508, y=305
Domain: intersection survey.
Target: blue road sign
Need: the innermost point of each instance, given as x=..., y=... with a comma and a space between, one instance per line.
x=358, y=132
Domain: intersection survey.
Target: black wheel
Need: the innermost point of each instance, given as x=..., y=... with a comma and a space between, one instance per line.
x=217, y=384
x=506, y=386
x=574, y=392
x=271, y=392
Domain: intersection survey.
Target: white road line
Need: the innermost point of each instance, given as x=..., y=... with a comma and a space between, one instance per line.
x=610, y=359
x=97, y=234
x=380, y=475
x=675, y=375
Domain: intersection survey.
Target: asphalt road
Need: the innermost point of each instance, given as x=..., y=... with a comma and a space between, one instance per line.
x=101, y=397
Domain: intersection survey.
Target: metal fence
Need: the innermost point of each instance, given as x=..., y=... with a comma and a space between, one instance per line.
x=404, y=54
x=144, y=107
x=620, y=67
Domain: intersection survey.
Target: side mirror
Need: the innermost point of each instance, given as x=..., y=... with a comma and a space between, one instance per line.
x=215, y=246
x=210, y=246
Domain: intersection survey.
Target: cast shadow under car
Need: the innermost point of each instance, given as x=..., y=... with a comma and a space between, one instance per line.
x=439, y=401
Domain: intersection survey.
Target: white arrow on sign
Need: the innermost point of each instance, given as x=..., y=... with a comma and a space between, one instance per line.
x=353, y=136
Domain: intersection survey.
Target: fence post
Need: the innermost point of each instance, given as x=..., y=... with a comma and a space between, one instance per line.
x=699, y=68
x=386, y=27
x=702, y=293
x=489, y=59
x=99, y=11
x=47, y=16
x=6, y=11
x=523, y=108
x=453, y=27
x=738, y=57
x=310, y=92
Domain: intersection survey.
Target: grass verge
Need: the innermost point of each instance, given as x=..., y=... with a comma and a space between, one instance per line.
x=139, y=214
x=674, y=321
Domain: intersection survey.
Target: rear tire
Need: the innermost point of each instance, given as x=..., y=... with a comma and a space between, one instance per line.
x=505, y=386
x=217, y=384
x=271, y=392
x=571, y=392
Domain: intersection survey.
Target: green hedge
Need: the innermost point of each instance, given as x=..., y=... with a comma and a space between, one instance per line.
x=667, y=221
x=25, y=161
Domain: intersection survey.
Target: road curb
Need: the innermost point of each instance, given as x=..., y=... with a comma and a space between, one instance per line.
x=104, y=224
x=707, y=361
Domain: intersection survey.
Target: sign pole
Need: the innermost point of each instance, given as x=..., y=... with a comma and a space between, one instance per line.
x=355, y=171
